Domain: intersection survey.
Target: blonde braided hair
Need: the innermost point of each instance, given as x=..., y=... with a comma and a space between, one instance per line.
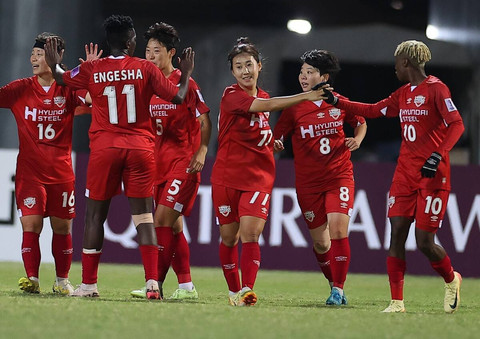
x=416, y=51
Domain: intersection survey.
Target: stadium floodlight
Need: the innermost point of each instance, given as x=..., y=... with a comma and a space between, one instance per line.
x=432, y=32
x=299, y=26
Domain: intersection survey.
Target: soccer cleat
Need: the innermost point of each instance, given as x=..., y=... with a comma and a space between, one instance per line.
x=335, y=298
x=246, y=297
x=452, y=294
x=63, y=287
x=344, y=299
x=152, y=291
x=29, y=285
x=396, y=306
x=181, y=294
x=233, y=299
x=141, y=293
x=86, y=290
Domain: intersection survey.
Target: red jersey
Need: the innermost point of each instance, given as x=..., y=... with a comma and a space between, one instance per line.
x=425, y=111
x=318, y=142
x=245, y=147
x=121, y=89
x=177, y=131
x=44, y=121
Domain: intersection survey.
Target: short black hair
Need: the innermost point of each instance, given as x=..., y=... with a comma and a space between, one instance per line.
x=117, y=30
x=42, y=40
x=326, y=62
x=163, y=33
x=244, y=45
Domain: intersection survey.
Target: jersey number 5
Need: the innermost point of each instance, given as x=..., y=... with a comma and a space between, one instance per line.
x=111, y=94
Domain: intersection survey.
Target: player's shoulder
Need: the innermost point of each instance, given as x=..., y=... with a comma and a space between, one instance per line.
x=434, y=82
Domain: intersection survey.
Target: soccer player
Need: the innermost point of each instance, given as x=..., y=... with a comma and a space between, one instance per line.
x=44, y=179
x=431, y=125
x=244, y=169
x=323, y=170
x=181, y=143
x=121, y=141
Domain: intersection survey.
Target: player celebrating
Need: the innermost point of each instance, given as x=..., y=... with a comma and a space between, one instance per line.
x=44, y=180
x=181, y=143
x=431, y=125
x=323, y=170
x=244, y=170
x=121, y=142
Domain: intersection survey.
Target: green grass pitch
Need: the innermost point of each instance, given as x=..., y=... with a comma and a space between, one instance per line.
x=291, y=305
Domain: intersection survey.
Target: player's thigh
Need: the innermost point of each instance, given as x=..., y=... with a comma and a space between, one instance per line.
x=104, y=173
x=431, y=207
x=139, y=173
x=313, y=209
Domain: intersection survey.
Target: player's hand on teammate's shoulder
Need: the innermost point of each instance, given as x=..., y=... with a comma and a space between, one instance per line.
x=91, y=53
x=186, y=62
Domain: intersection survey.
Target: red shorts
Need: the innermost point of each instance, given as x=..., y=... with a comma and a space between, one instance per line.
x=47, y=200
x=231, y=204
x=316, y=206
x=177, y=194
x=108, y=167
x=427, y=207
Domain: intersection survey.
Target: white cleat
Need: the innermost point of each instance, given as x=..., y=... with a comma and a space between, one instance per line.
x=86, y=290
x=452, y=294
x=396, y=306
x=63, y=287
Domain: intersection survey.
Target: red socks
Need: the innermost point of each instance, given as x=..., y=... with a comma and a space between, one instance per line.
x=166, y=246
x=181, y=259
x=229, y=262
x=340, y=261
x=396, y=273
x=62, y=251
x=150, y=261
x=250, y=263
x=90, y=260
x=444, y=268
x=31, y=253
x=323, y=261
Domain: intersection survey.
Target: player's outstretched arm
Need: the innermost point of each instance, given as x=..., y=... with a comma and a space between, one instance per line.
x=54, y=59
x=186, y=64
x=91, y=53
x=280, y=103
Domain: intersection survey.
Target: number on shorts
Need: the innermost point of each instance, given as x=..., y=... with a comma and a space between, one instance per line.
x=174, y=187
x=111, y=94
x=325, y=146
x=433, y=205
x=45, y=133
x=68, y=200
x=344, y=196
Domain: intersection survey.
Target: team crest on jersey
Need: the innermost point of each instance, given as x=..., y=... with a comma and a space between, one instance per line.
x=391, y=201
x=334, y=113
x=47, y=102
x=320, y=115
x=29, y=202
x=224, y=210
x=309, y=215
x=59, y=101
x=419, y=100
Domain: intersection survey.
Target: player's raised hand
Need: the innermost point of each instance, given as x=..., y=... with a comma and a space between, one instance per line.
x=352, y=144
x=186, y=62
x=91, y=53
x=52, y=55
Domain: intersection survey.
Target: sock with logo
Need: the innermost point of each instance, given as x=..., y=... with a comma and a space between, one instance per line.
x=340, y=261
x=62, y=251
x=323, y=260
x=229, y=262
x=249, y=263
x=165, y=250
x=396, y=272
x=181, y=259
x=444, y=268
x=90, y=261
x=31, y=253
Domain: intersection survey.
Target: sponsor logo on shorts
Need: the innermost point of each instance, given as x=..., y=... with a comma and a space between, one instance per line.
x=59, y=101
x=344, y=205
x=170, y=198
x=29, y=202
x=334, y=113
x=433, y=218
x=224, y=210
x=419, y=100
x=264, y=210
x=391, y=201
x=71, y=210
x=309, y=215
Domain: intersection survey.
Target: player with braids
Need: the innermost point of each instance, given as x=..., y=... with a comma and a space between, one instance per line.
x=44, y=180
x=244, y=169
x=181, y=142
x=323, y=170
x=431, y=125
x=122, y=142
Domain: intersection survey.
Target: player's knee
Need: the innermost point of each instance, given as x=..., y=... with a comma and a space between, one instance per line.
x=144, y=218
x=322, y=246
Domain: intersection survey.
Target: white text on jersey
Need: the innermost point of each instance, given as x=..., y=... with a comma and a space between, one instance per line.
x=119, y=75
